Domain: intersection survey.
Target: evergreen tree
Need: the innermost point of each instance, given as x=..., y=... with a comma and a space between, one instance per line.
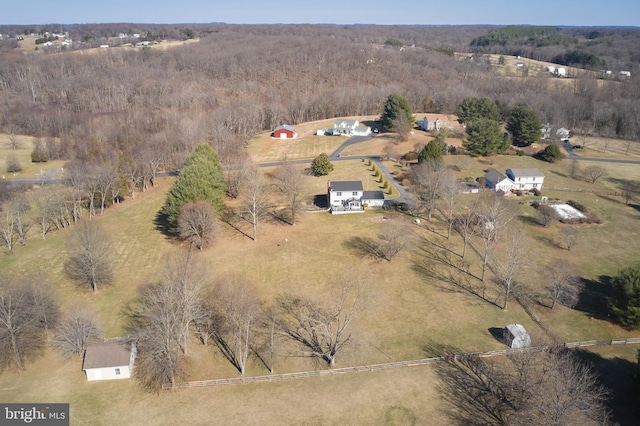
x=551, y=154
x=626, y=296
x=201, y=178
x=484, y=137
x=524, y=125
x=395, y=106
x=473, y=108
x=321, y=166
x=431, y=152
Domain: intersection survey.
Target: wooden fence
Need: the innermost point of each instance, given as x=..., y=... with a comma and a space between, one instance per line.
x=388, y=365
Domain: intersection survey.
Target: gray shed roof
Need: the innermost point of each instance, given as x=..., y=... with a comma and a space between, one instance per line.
x=108, y=354
x=346, y=185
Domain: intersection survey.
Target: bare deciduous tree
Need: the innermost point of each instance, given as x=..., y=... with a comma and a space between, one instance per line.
x=465, y=223
x=509, y=263
x=425, y=179
x=288, y=181
x=449, y=191
x=161, y=320
x=90, y=262
x=630, y=190
x=569, y=235
x=546, y=215
x=234, y=305
x=21, y=321
x=157, y=325
x=197, y=224
x=494, y=215
x=8, y=227
x=593, y=173
x=564, y=285
x=320, y=328
x=254, y=192
x=74, y=333
x=542, y=388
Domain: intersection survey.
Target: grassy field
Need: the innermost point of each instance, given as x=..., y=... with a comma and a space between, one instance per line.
x=407, y=310
x=23, y=154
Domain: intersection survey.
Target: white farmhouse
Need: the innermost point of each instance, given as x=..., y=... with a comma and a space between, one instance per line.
x=349, y=197
x=109, y=360
x=345, y=196
x=350, y=128
x=526, y=179
x=514, y=179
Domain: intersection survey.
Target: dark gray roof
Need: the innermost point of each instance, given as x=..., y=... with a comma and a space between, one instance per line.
x=346, y=185
x=493, y=176
x=108, y=354
x=373, y=195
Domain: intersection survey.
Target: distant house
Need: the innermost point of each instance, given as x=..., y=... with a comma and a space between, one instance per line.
x=546, y=131
x=497, y=181
x=284, y=132
x=561, y=72
x=432, y=122
x=515, y=336
x=551, y=69
x=625, y=73
x=563, y=133
x=347, y=127
x=520, y=179
x=526, y=179
x=109, y=360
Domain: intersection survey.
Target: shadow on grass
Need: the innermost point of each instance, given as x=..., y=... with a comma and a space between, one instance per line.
x=497, y=333
x=364, y=247
x=622, y=378
x=448, y=271
x=161, y=222
x=594, y=297
x=321, y=201
x=468, y=387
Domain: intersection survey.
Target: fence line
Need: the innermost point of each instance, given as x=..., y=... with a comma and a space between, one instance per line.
x=590, y=191
x=388, y=365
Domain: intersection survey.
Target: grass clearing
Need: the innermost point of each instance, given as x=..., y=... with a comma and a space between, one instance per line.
x=406, y=312
x=23, y=153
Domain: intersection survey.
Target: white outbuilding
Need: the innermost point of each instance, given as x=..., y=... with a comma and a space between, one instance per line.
x=109, y=360
x=515, y=336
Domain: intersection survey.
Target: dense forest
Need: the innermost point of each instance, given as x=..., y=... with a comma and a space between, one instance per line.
x=123, y=106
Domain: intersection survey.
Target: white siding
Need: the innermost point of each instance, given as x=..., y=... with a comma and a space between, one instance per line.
x=108, y=373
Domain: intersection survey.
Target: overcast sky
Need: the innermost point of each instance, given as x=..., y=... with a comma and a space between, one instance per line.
x=382, y=12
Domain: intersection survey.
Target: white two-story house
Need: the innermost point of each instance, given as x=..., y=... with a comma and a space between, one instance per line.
x=350, y=128
x=349, y=197
x=526, y=179
x=345, y=196
x=514, y=179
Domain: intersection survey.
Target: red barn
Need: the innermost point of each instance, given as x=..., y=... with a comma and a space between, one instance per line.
x=284, y=132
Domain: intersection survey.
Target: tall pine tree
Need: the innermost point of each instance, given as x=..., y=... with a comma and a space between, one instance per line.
x=201, y=178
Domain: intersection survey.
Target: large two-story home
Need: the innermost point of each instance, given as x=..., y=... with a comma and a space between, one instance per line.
x=350, y=128
x=349, y=197
x=514, y=179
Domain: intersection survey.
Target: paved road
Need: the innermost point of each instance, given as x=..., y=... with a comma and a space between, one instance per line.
x=336, y=155
x=573, y=156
